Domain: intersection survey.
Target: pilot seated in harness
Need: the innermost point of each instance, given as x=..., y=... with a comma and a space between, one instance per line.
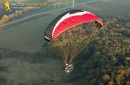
x=68, y=68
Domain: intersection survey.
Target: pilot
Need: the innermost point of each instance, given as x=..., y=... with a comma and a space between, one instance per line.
x=67, y=68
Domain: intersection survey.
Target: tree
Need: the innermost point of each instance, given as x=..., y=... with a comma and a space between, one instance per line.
x=12, y=16
x=106, y=77
x=5, y=19
x=93, y=82
x=111, y=83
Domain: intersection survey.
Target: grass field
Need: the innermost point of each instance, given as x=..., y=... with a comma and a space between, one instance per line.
x=104, y=7
x=109, y=7
x=50, y=7
x=28, y=37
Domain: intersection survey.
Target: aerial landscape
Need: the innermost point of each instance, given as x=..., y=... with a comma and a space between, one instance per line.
x=100, y=56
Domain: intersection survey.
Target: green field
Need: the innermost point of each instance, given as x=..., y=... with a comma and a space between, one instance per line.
x=109, y=7
x=28, y=37
x=50, y=7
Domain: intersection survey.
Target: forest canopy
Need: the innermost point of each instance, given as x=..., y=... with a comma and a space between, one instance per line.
x=107, y=55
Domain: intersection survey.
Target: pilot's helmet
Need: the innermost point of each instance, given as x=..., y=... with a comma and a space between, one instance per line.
x=66, y=64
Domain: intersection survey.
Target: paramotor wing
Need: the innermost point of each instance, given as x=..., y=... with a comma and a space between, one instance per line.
x=68, y=20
